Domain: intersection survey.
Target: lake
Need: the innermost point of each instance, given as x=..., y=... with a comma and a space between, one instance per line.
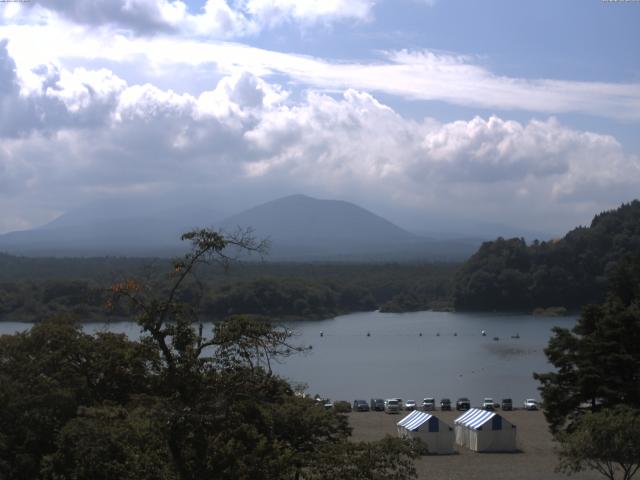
x=395, y=361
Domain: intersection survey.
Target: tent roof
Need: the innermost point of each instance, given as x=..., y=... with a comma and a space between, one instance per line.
x=474, y=418
x=414, y=420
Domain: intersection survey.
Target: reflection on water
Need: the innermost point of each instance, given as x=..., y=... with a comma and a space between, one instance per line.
x=414, y=355
x=410, y=355
x=506, y=351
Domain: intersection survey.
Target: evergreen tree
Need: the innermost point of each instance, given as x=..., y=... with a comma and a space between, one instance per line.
x=598, y=361
x=607, y=442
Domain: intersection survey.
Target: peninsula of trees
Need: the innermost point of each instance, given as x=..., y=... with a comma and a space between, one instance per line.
x=568, y=272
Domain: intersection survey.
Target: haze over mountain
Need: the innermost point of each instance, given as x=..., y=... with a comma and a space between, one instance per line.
x=299, y=228
x=117, y=227
x=326, y=225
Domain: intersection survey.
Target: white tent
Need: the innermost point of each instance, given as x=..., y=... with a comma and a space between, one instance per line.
x=436, y=434
x=484, y=431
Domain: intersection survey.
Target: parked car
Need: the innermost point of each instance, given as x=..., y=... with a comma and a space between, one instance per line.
x=377, y=404
x=400, y=402
x=530, y=404
x=392, y=405
x=445, y=404
x=328, y=404
x=410, y=405
x=463, y=403
x=429, y=403
x=360, y=406
x=487, y=403
x=507, y=404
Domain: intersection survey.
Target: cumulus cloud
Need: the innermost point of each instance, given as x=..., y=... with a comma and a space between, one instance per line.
x=309, y=11
x=50, y=98
x=88, y=133
x=358, y=140
x=141, y=16
x=412, y=75
x=217, y=18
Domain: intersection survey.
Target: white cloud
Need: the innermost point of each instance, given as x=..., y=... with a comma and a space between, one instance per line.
x=217, y=19
x=357, y=140
x=412, y=75
x=87, y=134
x=48, y=98
x=308, y=11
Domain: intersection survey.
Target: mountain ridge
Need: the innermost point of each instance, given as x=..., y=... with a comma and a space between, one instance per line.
x=299, y=227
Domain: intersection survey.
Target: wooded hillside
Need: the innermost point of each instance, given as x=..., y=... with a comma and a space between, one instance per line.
x=569, y=272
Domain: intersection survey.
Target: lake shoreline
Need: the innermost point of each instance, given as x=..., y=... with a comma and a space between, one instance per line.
x=317, y=318
x=409, y=355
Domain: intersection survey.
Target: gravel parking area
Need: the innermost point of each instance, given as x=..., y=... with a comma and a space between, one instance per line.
x=535, y=460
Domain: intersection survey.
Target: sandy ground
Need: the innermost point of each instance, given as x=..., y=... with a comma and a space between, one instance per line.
x=535, y=460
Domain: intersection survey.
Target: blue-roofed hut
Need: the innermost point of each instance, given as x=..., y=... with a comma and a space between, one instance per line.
x=437, y=435
x=485, y=431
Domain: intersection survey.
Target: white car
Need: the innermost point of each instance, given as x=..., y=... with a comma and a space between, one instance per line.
x=530, y=404
x=429, y=403
x=410, y=405
x=488, y=404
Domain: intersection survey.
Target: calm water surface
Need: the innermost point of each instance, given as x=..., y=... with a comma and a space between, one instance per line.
x=395, y=361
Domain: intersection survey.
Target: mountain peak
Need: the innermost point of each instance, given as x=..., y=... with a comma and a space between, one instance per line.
x=303, y=222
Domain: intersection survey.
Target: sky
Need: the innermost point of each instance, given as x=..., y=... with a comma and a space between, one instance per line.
x=424, y=111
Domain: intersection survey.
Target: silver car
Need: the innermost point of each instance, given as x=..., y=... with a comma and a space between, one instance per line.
x=410, y=405
x=392, y=405
x=429, y=403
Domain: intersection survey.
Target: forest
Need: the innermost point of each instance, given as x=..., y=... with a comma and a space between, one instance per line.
x=508, y=274
x=35, y=288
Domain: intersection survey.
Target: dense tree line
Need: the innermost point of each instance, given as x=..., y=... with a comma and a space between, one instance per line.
x=569, y=272
x=276, y=290
x=287, y=298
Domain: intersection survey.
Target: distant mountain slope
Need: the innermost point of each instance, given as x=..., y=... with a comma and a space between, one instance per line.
x=117, y=227
x=300, y=228
x=569, y=272
x=298, y=219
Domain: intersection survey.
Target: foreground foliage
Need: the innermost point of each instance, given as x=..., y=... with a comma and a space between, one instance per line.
x=597, y=362
x=607, y=442
x=176, y=405
x=592, y=400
